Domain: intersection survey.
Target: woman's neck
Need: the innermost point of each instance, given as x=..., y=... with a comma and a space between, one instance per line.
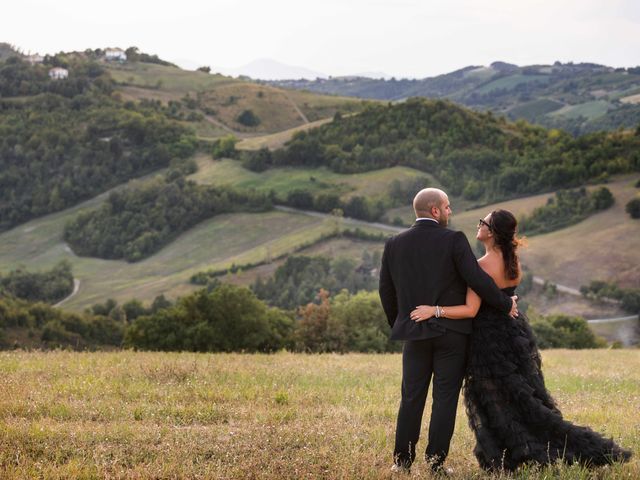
x=491, y=248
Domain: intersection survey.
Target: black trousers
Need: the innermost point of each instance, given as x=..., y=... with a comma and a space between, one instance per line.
x=444, y=358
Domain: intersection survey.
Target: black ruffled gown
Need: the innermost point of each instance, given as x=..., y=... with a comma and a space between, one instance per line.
x=514, y=418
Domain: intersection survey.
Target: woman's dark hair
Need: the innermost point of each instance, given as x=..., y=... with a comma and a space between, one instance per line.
x=503, y=226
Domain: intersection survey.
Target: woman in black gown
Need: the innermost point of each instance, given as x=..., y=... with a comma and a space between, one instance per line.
x=514, y=418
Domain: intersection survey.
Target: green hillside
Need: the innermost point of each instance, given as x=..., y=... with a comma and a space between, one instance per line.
x=475, y=155
x=513, y=91
x=249, y=238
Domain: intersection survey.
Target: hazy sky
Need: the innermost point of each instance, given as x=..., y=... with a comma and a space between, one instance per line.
x=405, y=38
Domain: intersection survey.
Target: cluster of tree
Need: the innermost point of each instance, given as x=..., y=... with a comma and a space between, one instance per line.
x=344, y=323
x=226, y=319
x=568, y=207
x=230, y=318
x=48, y=286
x=135, y=55
x=134, y=223
x=128, y=311
x=57, y=151
x=629, y=297
x=20, y=78
x=356, y=206
x=563, y=331
x=476, y=155
x=49, y=327
x=299, y=279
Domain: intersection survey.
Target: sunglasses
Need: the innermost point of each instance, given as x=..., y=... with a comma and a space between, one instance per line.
x=482, y=222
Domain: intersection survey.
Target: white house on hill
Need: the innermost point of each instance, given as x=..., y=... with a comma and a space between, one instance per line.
x=58, y=73
x=116, y=54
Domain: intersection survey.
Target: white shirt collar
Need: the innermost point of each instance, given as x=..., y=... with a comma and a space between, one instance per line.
x=426, y=218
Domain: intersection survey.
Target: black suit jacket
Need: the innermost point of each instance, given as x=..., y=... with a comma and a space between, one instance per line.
x=431, y=265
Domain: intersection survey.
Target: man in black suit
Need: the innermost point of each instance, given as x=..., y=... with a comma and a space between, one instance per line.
x=429, y=264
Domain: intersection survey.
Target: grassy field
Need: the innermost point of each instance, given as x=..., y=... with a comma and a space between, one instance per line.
x=234, y=416
x=283, y=180
x=588, y=110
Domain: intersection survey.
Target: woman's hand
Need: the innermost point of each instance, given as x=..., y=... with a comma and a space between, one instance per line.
x=423, y=312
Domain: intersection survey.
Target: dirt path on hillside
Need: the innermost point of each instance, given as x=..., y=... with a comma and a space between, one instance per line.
x=302, y=115
x=76, y=289
x=571, y=291
x=218, y=123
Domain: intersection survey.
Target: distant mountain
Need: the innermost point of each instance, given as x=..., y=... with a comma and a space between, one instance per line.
x=580, y=98
x=267, y=69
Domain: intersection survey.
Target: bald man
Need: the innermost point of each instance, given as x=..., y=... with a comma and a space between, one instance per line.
x=429, y=264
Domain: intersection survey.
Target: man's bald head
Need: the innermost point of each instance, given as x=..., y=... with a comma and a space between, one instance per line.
x=429, y=198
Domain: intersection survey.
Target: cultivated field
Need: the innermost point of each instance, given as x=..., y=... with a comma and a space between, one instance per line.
x=589, y=110
x=234, y=416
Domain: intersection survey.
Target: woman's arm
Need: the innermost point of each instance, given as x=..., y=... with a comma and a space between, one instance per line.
x=468, y=310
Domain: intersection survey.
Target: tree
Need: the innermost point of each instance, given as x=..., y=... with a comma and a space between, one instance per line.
x=248, y=118
x=315, y=331
x=633, y=207
x=229, y=318
x=225, y=147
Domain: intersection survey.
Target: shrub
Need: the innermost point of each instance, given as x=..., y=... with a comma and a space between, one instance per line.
x=633, y=207
x=563, y=331
x=248, y=119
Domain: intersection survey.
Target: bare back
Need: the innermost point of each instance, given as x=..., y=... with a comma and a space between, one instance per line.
x=493, y=264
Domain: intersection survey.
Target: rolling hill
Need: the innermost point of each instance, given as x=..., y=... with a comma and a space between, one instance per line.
x=219, y=100
x=381, y=147
x=579, y=97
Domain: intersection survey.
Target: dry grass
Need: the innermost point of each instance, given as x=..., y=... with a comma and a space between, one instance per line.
x=374, y=184
x=234, y=416
x=278, y=109
x=277, y=140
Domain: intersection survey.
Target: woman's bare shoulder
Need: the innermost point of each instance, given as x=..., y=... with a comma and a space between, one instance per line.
x=494, y=267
